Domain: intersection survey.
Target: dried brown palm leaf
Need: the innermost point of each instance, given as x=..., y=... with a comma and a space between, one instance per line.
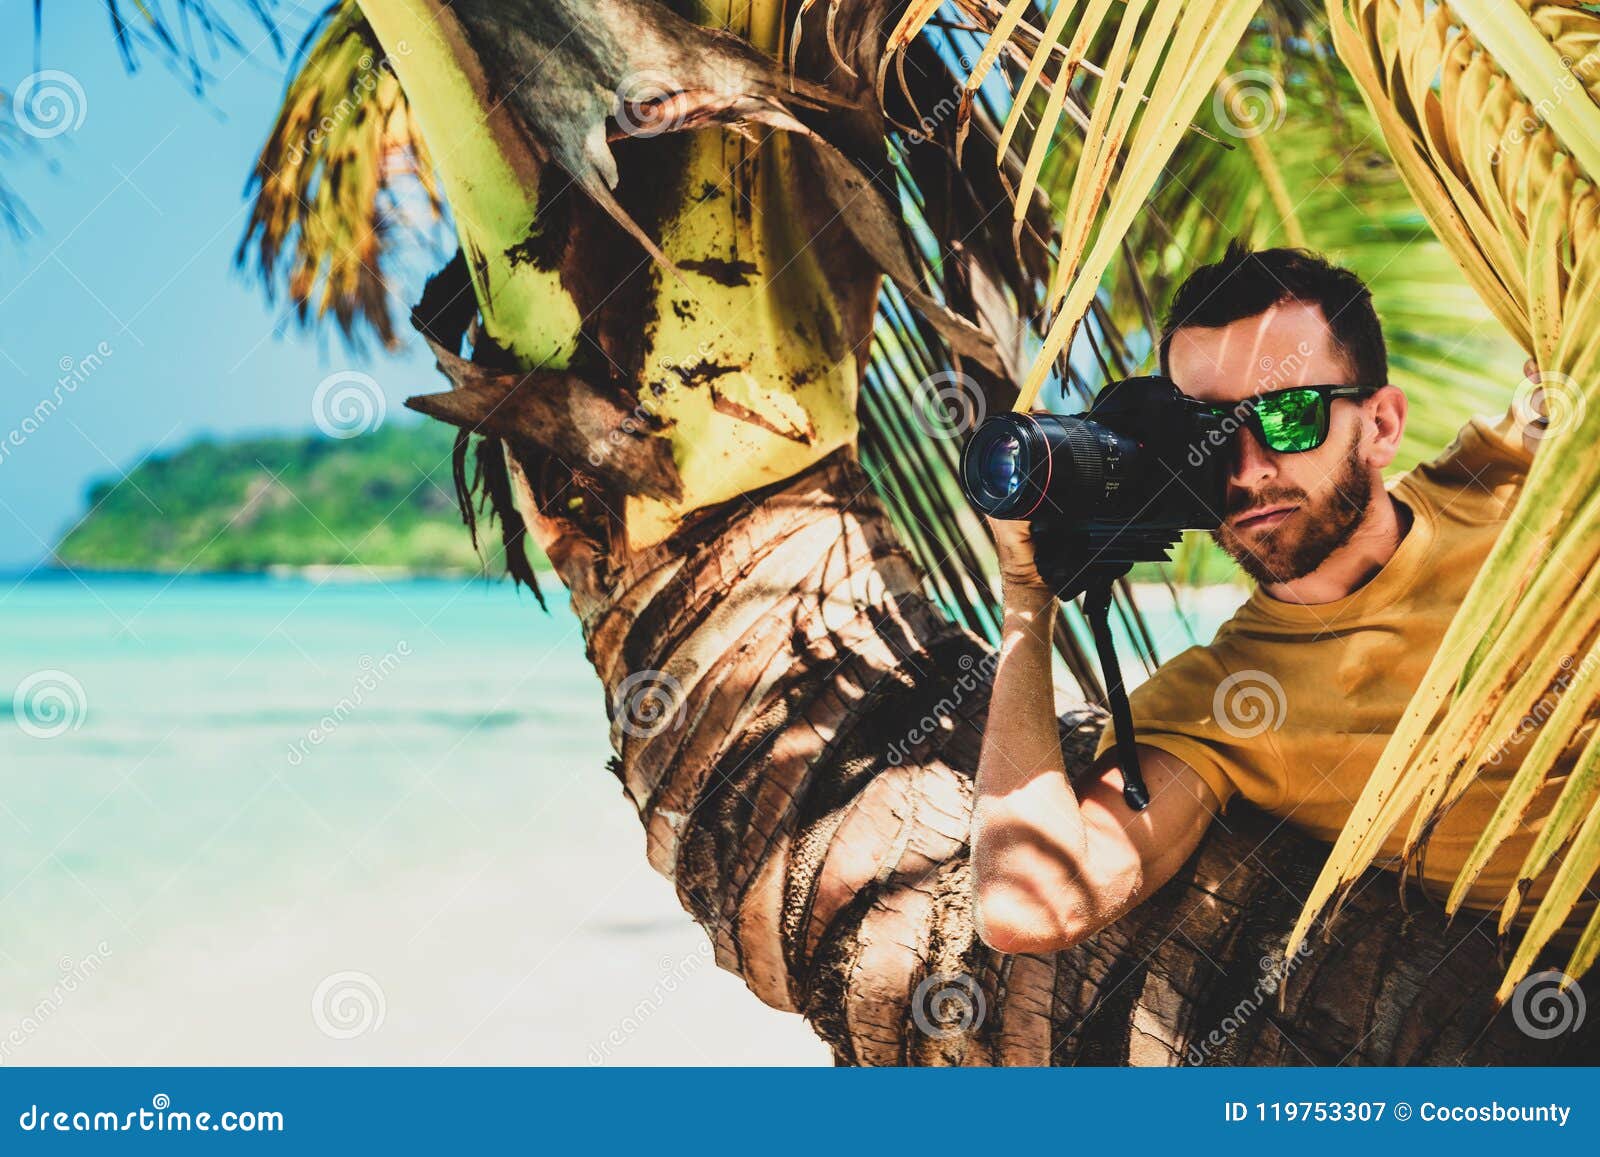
x=330, y=177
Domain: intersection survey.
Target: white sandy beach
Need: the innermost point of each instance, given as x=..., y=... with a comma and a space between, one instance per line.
x=207, y=867
x=509, y=956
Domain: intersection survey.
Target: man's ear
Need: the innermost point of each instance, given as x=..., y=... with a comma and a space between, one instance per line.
x=1387, y=410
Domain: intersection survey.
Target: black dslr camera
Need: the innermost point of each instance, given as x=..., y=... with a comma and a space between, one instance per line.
x=1102, y=491
x=1105, y=489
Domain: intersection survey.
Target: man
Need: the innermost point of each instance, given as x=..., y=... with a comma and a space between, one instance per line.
x=1291, y=704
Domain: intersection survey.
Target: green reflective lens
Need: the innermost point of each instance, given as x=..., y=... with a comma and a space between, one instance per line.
x=1292, y=421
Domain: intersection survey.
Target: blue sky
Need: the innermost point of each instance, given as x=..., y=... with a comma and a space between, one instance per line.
x=137, y=213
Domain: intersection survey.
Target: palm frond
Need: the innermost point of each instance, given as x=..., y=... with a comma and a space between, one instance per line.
x=918, y=401
x=188, y=34
x=1141, y=97
x=332, y=182
x=14, y=143
x=1307, y=167
x=914, y=408
x=1489, y=110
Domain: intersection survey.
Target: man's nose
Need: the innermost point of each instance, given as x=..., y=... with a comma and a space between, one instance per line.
x=1253, y=463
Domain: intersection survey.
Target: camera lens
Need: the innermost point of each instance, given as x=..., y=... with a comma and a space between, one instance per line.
x=1005, y=465
x=1000, y=471
x=1016, y=465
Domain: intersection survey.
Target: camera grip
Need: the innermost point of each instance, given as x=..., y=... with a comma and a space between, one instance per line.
x=1059, y=557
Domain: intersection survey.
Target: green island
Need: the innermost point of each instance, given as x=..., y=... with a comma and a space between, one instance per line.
x=380, y=502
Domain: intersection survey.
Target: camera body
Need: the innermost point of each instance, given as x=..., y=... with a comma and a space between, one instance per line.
x=1107, y=488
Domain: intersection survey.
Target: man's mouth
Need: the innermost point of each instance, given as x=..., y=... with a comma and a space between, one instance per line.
x=1263, y=517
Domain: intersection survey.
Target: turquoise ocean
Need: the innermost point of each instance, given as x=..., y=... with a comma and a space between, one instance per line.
x=277, y=820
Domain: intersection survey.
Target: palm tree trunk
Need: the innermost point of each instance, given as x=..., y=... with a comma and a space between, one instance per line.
x=799, y=728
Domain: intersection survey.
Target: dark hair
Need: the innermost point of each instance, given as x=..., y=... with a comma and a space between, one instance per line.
x=1245, y=283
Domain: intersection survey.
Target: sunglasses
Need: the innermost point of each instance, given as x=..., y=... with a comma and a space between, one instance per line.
x=1289, y=421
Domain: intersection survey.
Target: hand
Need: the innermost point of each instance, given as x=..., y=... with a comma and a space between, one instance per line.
x=1534, y=426
x=1530, y=371
x=1013, y=541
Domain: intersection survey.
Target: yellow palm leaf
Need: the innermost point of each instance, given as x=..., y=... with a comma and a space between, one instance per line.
x=1163, y=60
x=325, y=181
x=1177, y=55
x=1488, y=107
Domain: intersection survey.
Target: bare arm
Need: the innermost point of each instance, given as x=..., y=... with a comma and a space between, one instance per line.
x=1052, y=868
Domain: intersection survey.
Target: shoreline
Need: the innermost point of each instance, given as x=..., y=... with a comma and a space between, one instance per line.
x=321, y=572
x=1214, y=593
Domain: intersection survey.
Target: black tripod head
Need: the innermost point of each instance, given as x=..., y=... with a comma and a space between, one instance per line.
x=1088, y=560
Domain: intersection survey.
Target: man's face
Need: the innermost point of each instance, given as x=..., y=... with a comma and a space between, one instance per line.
x=1285, y=513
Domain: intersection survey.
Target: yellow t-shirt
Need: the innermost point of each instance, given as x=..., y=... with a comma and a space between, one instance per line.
x=1291, y=705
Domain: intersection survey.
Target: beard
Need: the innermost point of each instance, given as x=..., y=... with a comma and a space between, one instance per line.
x=1302, y=542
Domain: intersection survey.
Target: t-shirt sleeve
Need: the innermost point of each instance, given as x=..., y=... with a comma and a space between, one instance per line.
x=1489, y=456
x=1217, y=721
